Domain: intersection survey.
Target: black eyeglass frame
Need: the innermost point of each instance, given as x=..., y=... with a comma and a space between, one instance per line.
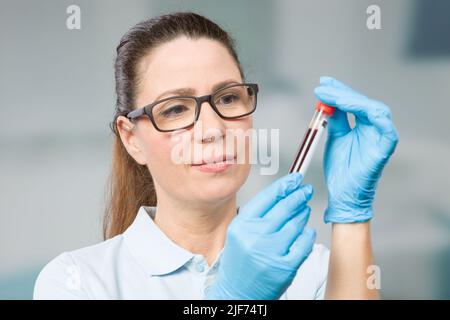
x=147, y=109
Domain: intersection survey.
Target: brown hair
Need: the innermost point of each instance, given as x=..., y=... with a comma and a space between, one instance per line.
x=130, y=185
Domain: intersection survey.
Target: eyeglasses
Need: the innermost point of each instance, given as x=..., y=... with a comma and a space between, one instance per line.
x=180, y=112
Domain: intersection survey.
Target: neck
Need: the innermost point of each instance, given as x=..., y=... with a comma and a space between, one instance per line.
x=198, y=228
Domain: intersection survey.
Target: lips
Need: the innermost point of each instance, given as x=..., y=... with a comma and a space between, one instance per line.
x=217, y=159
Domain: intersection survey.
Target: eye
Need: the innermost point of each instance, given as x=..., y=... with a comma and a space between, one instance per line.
x=173, y=111
x=229, y=99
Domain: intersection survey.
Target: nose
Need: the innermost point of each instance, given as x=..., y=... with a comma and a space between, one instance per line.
x=210, y=126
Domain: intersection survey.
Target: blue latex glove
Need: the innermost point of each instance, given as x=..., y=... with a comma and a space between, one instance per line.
x=266, y=243
x=354, y=158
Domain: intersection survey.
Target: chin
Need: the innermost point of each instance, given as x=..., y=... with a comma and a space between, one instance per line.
x=216, y=188
x=219, y=189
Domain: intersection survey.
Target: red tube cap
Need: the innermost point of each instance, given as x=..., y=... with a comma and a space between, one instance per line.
x=328, y=110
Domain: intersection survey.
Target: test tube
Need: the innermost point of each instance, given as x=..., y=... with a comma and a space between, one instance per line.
x=311, y=138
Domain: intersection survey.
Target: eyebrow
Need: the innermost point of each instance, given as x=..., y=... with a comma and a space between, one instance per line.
x=191, y=91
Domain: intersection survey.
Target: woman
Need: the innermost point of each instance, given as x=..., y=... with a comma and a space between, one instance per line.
x=174, y=230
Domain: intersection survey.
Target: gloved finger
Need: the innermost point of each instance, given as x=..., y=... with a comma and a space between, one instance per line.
x=336, y=98
x=371, y=112
x=301, y=248
x=338, y=124
x=252, y=225
x=292, y=230
x=330, y=81
x=271, y=195
x=367, y=111
x=284, y=210
x=389, y=138
x=350, y=102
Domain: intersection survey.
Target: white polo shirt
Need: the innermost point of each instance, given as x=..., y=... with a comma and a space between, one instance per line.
x=143, y=263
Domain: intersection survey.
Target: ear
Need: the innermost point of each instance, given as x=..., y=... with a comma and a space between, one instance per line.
x=129, y=136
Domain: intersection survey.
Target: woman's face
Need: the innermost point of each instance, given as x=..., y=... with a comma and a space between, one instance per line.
x=198, y=65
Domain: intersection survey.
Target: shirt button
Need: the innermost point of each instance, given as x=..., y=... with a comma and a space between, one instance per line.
x=200, y=267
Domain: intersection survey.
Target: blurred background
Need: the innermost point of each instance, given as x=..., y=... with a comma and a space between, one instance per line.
x=57, y=98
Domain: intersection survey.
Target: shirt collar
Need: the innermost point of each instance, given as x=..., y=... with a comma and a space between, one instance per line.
x=151, y=247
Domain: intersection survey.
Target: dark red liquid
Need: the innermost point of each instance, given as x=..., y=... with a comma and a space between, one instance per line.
x=303, y=145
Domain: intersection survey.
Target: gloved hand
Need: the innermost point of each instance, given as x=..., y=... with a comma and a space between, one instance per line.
x=266, y=243
x=354, y=158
